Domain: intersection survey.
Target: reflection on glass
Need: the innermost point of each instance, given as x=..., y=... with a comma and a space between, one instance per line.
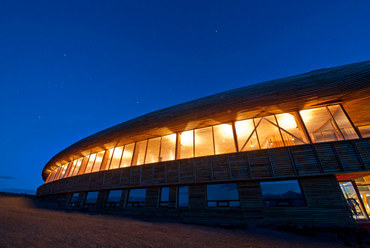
x=185, y=146
x=165, y=196
x=74, y=199
x=168, y=146
x=247, y=138
x=91, y=197
x=343, y=123
x=139, y=154
x=224, y=139
x=90, y=163
x=320, y=125
x=116, y=158
x=152, y=152
x=127, y=155
x=114, y=196
x=223, y=195
x=282, y=194
x=98, y=160
x=268, y=133
x=183, y=197
x=136, y=198
x=352, y=200
x=203, y=142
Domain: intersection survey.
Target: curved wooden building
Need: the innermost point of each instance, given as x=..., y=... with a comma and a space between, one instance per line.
x=289, y=151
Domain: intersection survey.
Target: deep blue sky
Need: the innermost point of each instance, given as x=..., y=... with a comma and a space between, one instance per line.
x=71, y=68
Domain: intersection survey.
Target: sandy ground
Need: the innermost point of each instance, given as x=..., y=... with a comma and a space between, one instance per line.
x=22, y=224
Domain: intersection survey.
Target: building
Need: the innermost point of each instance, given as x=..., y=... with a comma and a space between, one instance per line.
x=289, y=151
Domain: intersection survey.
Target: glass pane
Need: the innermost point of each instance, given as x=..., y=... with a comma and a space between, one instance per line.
x=77, y=166
x=168, y=146
x=342, y=122
x=282, y=193
x=165, y=194
x=183, y=197
x=152, y=152
x=64, y=171
x=185, y=146
x=114, y=195
x=352, y=200
x=365, y=131
x=109, y=154
x=98, y=160
x=219, y=192
x=57, y=173
x=91, y=197
x=244, y=131
x=203, y=142
x=320, y=125
x=292, y=134
x=136, y=198
x=224, y=139
x=363, y=186
x=139, y=155
x=127, y=155
x=116, y=158
x=90, y=163
x=268, y=134
x=75, y=197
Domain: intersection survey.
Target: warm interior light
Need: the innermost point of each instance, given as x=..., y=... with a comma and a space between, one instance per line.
x=287, y=121
x=187, y=138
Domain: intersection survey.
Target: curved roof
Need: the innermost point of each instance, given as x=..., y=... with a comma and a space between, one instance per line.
x=324, y=86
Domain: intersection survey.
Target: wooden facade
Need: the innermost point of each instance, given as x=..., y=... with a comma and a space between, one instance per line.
x=315, y=166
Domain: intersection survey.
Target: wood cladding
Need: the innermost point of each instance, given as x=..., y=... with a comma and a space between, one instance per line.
x=349, y=84
x=288, y=162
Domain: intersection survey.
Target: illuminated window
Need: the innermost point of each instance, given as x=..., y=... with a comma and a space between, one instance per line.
x=152, y=152
x=139, y=154
x=291, y=130
x=165, y=196
x=127, y=155
x=98, y=161
x=365, y=131
x=64, y=170
x=320, y=125
x=83, y=165
x=223, y=195
x=90, y=163
x=136, y=198
x=204, y=142
x=268, y=132
x=77, y=166
x=343, y=123
x=185, y=145
x=183, y=199
x=246, y=135
x=224, y=139
x=168, y=147
x=116, y=158
x=282, y=194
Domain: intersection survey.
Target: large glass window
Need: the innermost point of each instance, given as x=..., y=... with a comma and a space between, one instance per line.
x=136, y=198
x=98, y=161
x=114, y=198
x=116, y=158
x=365, y=131
x=168, y=147
x=320, y=125
x=91, y=197
x=127, y=155
x=343, y=123
x=183, y=198
x=353, y=201
x=90, y=163
x=204, y=142
x=224, y=138
x=185, y=146
x=139, y=155
x=223, y=195
x=290, y=129
x=74, y=199
x=268, y=132
x=77, y=166
x=165, y=196
x=152, y=152
x=246, y=135
x=282, y=194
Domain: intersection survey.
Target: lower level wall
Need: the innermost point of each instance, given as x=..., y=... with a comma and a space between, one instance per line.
x=325, y=205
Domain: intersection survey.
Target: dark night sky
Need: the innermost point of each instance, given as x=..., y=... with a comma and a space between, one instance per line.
x=71, y=68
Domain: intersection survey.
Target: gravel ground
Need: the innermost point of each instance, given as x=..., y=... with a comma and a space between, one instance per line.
x=22, y=224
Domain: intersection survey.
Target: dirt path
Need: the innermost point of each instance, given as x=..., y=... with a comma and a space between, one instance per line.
x=24, y=225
